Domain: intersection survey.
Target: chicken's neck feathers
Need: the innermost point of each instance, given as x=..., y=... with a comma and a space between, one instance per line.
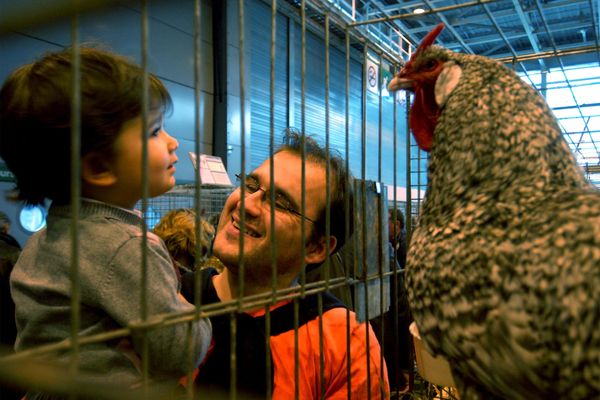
x=496, y=140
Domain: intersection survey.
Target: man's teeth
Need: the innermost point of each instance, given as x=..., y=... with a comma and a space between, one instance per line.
x=247, y=232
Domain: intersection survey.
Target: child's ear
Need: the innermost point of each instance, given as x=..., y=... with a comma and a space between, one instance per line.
x=96, y=171
x=317, y=251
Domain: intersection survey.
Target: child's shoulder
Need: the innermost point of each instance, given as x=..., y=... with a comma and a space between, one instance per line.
x=100, y=222
x=133, y=232
x=130, y=231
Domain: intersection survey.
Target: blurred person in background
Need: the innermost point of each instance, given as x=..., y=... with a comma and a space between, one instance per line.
x=397, y=235
x=398, y=341
x=177, y=229
x=9, y=253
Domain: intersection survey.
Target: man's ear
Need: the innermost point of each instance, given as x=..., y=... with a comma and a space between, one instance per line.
x=96, y=171
x=318, y=250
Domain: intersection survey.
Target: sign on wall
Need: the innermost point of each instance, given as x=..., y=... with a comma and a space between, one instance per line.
x=372, y=76
x=5, y=174
x=211, y=169
x=373, y=72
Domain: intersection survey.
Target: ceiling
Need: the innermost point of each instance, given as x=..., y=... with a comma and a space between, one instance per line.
x=507, y=29
x=529, y=35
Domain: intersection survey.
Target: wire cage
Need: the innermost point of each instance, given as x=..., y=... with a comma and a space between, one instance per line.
x=212, y=199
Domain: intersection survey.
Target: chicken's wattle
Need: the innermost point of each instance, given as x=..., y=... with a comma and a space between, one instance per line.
x=423, y=118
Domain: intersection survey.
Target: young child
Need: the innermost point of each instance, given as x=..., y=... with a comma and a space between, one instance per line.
x=35, y=126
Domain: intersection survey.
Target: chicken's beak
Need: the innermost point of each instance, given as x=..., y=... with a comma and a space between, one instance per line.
x=399, y=83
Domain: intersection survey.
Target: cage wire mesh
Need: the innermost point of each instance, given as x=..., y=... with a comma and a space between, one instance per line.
x=211, y=199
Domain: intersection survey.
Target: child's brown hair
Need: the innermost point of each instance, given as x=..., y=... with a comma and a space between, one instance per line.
x=35, y=116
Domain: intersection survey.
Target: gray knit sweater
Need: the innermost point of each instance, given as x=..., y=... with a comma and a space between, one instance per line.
x=110, y=241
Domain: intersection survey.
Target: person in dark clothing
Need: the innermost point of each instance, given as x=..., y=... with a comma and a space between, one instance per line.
x=5, y=237
x=397, y=235
x=9, y=253
x=8, y=257
x=398, y=350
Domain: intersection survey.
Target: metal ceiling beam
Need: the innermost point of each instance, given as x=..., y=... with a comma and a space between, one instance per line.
x=592, y=169
x=561, y=21
x=506, y=41
x=562, y=67
x=396, y=24
x=449, y=26
x=527, y=27
x=337, y=19
x=595, y=25
x=403, y=5
x=427, y=12
x=408, y=5
x=488, y=39
x=580, y=106
x=548, y=6
x=548, y=54
x=481, y=20
x=556, y=4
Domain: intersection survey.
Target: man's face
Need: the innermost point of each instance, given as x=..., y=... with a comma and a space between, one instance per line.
x=394, y=227
x=257, y=231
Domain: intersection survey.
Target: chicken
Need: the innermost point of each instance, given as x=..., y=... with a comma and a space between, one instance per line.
x=503, y=271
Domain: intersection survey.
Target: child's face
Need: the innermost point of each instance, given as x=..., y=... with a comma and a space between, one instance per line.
x=127, y=161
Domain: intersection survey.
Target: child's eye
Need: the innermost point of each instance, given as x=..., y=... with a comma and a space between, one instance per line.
x=155, y=132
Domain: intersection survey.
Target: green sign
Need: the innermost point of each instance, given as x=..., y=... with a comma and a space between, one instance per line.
x=5, y=174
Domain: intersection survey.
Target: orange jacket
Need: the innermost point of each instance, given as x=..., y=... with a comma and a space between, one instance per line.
x=335, y=360
x=368, y=375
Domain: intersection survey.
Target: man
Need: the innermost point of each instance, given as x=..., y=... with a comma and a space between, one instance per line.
x=395, y=322
x=246, y=226
x=397, y=235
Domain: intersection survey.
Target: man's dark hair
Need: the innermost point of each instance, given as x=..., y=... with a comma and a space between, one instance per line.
x=340, y=183
x=396, y=215
x=35, y=116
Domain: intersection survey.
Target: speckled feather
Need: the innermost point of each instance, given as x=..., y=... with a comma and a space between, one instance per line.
x=503, y=270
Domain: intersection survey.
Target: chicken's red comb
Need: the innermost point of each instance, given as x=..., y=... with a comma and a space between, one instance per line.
x=431, y=36
x=425, y=43
x=428, y=40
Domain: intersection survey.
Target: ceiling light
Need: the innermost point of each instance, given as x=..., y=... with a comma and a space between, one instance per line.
x=418, y=11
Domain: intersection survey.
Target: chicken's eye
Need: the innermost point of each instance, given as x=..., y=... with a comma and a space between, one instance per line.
x=430, y=64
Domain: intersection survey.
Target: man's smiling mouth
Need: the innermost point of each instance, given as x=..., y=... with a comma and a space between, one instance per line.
x=248, y=232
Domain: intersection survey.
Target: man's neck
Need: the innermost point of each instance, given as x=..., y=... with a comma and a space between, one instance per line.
x=227, y=285
x=224, y=286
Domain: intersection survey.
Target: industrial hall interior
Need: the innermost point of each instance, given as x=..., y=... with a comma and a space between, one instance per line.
x=299, y=199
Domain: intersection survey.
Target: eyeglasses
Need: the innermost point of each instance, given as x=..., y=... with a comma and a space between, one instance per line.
x=282, y=203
